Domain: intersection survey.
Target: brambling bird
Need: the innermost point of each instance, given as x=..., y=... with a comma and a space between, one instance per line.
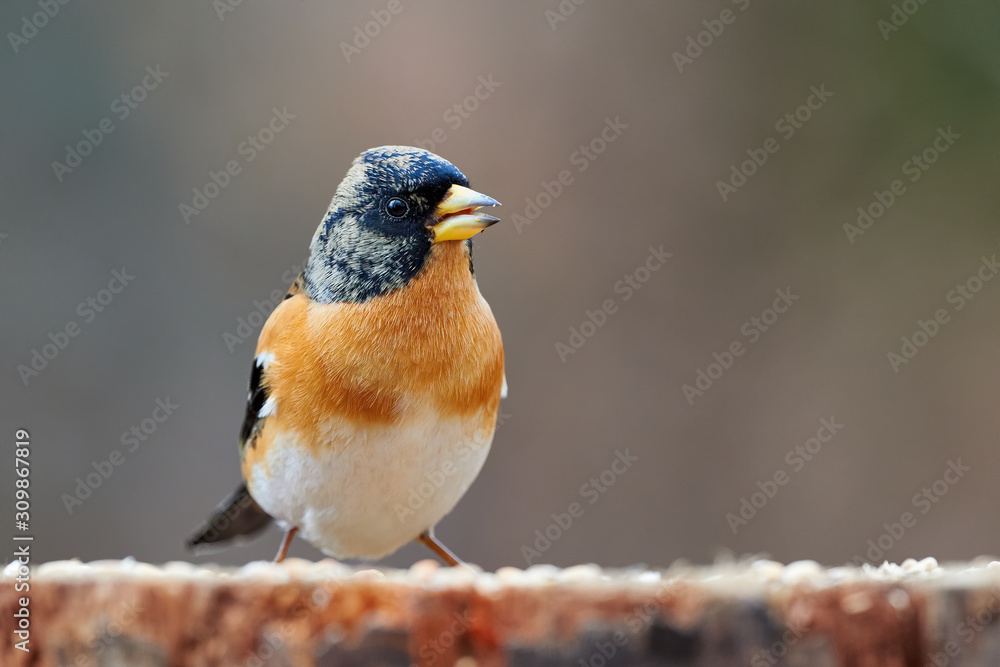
x=376, y=383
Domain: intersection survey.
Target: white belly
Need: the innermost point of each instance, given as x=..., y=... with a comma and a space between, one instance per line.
x=364, y=493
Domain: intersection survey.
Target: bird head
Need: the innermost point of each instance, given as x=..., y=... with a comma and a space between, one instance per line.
x=393, y=205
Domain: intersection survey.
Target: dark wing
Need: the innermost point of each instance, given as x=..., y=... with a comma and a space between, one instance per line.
x=239, y=514
x=236, y=516
x=257, y=394
x=256, y=397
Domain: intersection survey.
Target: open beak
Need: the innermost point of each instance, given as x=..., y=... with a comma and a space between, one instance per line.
x=456, y=215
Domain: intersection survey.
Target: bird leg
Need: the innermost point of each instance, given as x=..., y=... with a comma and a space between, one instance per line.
x=286, y=542
x=427, y=538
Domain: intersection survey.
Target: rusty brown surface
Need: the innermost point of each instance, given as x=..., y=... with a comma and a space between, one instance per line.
x=362, y=618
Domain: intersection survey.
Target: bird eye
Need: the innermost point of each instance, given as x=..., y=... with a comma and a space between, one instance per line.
x=396, y=207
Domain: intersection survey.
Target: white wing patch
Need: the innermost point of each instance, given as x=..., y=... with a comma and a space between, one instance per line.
x=268, y=408
x=265, y=358
x=503, y=387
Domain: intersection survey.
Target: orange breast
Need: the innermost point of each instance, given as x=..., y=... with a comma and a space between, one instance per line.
x=433, y=344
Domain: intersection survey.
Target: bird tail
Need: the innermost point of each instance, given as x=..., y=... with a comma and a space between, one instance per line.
x=236, y=517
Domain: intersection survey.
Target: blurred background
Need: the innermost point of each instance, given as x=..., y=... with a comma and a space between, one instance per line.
x=739, y=137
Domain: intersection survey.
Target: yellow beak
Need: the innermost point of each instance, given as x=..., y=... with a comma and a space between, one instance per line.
x=456, y=215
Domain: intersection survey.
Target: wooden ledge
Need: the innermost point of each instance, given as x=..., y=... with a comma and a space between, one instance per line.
x=756, y=613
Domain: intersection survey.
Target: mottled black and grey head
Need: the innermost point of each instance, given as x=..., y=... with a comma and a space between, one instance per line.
x=394, y=203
